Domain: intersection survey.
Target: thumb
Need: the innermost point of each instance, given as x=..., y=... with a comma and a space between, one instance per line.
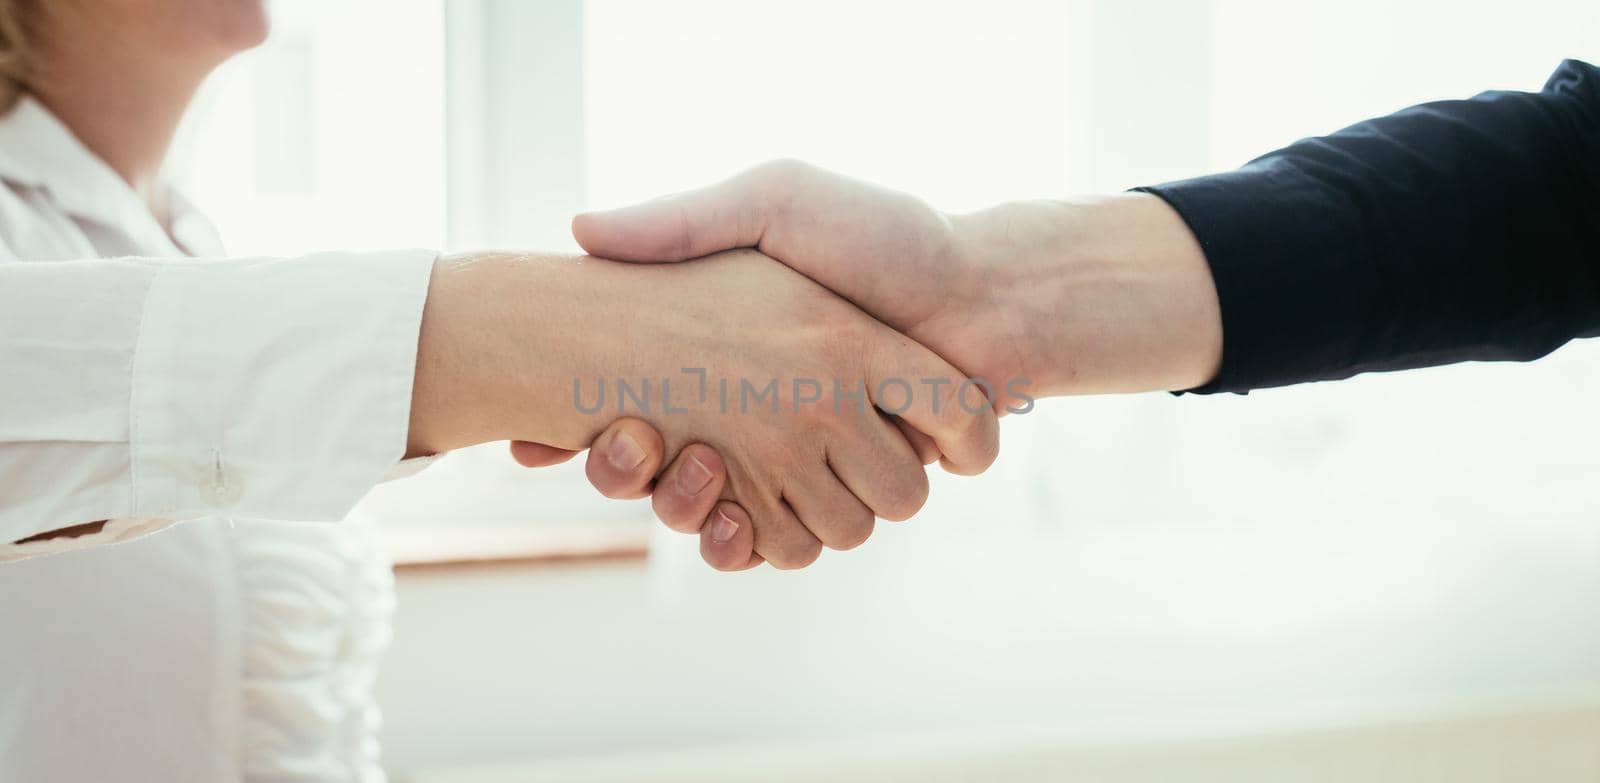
x=725, y=216
x=538, y=455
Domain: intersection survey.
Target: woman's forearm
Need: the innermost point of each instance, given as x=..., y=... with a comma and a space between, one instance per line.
x=789, y=389
x=460, y=365
x=149, y=391
x=499, y=333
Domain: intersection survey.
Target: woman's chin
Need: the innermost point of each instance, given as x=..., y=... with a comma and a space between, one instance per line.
x=249, y=27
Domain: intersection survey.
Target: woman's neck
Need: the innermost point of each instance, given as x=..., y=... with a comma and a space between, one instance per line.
x=123, y=106
x=131, y=130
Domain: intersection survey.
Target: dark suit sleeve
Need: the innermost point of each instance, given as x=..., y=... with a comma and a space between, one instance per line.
x=1451, y=231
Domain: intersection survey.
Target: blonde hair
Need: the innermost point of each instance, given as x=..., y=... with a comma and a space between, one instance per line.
x=16, y=56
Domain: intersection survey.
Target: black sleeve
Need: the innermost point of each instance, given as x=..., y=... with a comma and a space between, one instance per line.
x=1451, y=231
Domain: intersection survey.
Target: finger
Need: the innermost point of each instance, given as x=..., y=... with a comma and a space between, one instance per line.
x=874, y=461
x=691, y=224
x=927, y=451
x=538, y=455
x=727, y=539
x=907, y=380
x=780, y=538
x=690, y=486
x=833, y=229
x=835, y=516
x=624, y=459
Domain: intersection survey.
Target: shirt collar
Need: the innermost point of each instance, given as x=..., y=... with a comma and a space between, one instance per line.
x=38, y=151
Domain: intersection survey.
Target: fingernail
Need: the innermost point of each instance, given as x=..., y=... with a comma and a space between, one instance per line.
x=624, y=453
x=724, y=528
x=693, y=477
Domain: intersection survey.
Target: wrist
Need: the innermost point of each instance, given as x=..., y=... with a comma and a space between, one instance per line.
x=1106, y=294
x=493, y=338
x=437, y=422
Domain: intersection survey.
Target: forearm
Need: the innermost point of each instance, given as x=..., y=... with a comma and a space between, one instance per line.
x=499, y=346
x=1106, y=295
x=451, y=392
x=144, y=392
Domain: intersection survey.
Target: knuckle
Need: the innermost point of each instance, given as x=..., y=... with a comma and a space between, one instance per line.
x=976, y=429
x=907, y=495
x=777, y=183
x=817, y=415
x=854, y=533
x=795, y=556
x=676, y=512
x=683, y=239
x=984, y=435
x=784, y=170
x=991, y=445
x=860, y=344
x=955, y=414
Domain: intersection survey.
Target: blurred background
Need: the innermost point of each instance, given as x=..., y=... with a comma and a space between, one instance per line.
x=1137, y=572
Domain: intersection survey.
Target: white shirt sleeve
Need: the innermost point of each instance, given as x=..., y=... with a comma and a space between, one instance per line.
x=143, y=392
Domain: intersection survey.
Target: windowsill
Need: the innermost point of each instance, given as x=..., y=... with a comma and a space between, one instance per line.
x=1545, y=740
x=477, y=506
x=460, y=544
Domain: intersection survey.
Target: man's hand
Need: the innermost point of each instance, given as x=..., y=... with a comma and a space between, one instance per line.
x=1096, y=295
x=518, y=347
x=1040, y=298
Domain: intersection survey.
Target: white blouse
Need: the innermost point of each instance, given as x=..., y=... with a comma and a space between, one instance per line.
x=188, y=402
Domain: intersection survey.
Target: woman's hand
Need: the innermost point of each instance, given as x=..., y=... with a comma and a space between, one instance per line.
x=520, y=347
x=625, y=464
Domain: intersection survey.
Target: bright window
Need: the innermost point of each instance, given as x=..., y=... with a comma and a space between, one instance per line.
x=489, y=122
x=1409, y=538
x=329, y=136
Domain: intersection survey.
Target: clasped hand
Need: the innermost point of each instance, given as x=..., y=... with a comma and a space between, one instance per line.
x=782, y=384
x=779, y=489
x=842, y=280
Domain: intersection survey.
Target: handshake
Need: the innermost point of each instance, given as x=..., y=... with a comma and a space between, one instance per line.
x=802, y=345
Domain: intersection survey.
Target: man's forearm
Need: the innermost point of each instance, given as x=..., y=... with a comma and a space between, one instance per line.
x=1107, y=294
x=1451, y=231
x=1041, y=298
